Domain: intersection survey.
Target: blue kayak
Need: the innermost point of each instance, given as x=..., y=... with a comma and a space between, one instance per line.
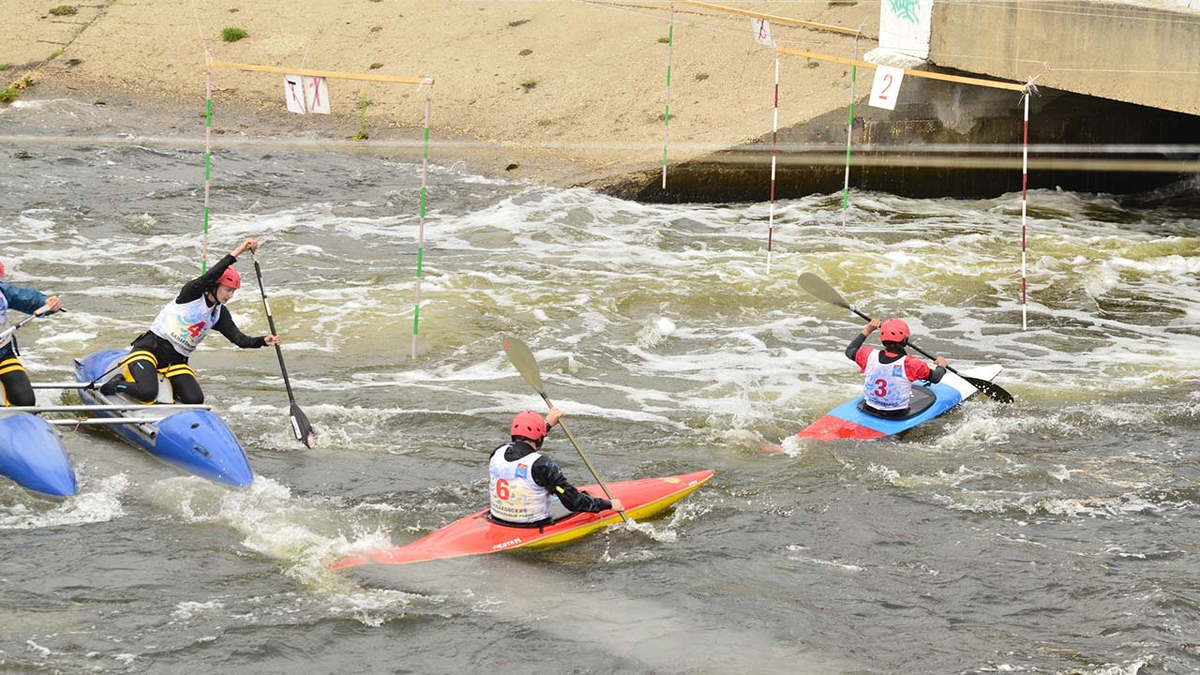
x=196, y=442
x=32, y=455
x=929, y=400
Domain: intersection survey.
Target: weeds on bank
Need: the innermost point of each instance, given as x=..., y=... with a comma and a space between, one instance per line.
x=5, y=66
x=13, y=91
x=233, y=34
x=363, y=132
x=376, y=66
x=529, y=83
x=64, y=10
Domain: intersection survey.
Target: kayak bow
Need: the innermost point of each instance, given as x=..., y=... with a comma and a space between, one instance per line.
x=32, y=455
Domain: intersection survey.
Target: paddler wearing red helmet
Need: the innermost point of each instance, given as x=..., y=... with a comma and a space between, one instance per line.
x=14, y=381
x=890, y=372
x=178, y=329
x=524, y=483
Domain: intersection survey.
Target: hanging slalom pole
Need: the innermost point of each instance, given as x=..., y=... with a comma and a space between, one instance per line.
x=774, y=155
x=1024, y=202
x=421, y=229
x=207, y=162
x=849, y=135
x=667, y=105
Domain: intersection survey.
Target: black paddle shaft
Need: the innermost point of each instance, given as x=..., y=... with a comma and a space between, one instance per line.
x=271, y=323
x=300, y=424
x=820, y=289
x=910, y=344
x=992, y=389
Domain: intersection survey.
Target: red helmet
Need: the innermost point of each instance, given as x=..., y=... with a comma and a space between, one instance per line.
x=230, y=278
x=894, y=330
x=1, y=269
x=529, y=425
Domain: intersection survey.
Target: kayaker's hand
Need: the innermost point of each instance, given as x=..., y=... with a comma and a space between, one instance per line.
x=250, y=244
x=940, y=360
x=553, y=417
x=872, y=326
x=617, y=505
x=53, y=304
x=273, y=340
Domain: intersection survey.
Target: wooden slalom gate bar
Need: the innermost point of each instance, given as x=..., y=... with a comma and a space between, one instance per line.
x=1011, y=86
x=330, y=74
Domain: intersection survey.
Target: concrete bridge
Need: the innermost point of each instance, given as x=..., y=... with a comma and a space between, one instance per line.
x=1118, y=97
x=1147, y=53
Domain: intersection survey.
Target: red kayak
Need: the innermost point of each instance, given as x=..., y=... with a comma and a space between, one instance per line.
x=476, y=534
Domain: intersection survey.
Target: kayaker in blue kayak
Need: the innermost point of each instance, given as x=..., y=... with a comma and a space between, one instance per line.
x=523, y=480
x=890, y=372
x=13, y=379
x=178, y=329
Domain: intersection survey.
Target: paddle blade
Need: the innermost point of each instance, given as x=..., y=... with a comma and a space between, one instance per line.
x=990, y=389
x=821, y=290
x=301, y=427
x=523, y=359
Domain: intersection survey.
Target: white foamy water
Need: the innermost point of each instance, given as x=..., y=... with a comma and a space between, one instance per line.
x=660, y=333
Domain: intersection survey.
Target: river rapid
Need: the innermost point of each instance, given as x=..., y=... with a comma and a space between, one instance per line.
x=1060, y=534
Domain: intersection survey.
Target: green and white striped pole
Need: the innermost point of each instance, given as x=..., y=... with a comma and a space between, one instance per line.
x=849, y=135
x=667, y=105
x=207, y=165
x=421, y=230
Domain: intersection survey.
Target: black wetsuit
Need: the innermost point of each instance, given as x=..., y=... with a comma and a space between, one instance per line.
x=546, y=473
x=892, y=352
x=184, y=386
x=17, y=389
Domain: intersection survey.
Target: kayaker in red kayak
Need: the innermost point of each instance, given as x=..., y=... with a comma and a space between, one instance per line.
x=13, y=379
x=178, y=329
x=887, y=387
x=523, y=480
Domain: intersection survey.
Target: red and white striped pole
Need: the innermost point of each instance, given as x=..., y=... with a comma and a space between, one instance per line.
x=1024, y=202
x=774, y=154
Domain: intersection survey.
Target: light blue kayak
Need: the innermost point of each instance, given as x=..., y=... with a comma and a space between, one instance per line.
x=849, y=420
x=33, y=456
x=196, y=442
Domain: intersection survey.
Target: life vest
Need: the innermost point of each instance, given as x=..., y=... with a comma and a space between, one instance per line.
x=4, y=321
x=886, y=386
x=513, y=494
x=185, y=325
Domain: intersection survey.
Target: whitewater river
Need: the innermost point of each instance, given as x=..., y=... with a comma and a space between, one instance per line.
x=1060, y=534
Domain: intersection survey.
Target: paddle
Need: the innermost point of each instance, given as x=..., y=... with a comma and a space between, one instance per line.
x=300, y=426
x=821, y=290
x=523, y=359
x=12, y=329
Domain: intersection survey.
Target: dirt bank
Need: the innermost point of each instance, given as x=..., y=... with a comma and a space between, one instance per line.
x=568, y=91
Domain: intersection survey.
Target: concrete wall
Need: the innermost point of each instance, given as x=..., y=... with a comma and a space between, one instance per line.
x=1116, y=50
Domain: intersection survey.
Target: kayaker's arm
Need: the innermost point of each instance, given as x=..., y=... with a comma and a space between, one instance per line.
x=547, y=474
x=23, y=299
x=854, y=346
x=225, y=326
x=916, y=369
